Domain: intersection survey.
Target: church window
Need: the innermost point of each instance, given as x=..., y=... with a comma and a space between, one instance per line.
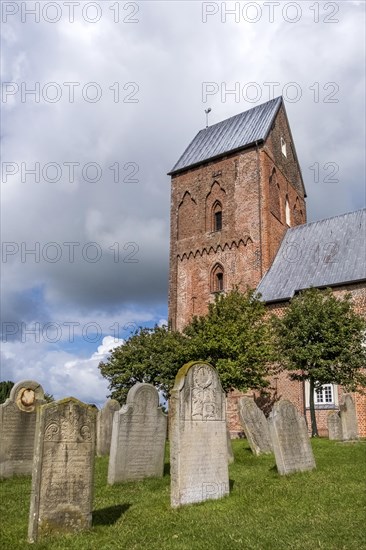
x=217, y=216
x=274, y=191
x=217, y=279
x=287, y=211
x=283, y=147
x=325, y=397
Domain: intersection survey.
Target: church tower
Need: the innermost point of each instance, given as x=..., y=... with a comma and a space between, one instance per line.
x=234, y=192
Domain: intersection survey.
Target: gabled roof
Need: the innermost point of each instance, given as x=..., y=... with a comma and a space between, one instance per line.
x=329, y=252
x=232, y=134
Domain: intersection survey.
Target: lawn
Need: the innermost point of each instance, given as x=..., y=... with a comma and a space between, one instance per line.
x=324, y=508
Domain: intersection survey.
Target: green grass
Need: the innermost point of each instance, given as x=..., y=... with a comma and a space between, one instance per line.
x=322, y=509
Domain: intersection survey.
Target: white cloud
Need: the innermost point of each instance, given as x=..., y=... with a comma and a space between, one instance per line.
x=60, y=373
x=168, y=54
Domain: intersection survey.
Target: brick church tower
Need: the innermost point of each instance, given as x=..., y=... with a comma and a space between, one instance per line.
x=235, y=191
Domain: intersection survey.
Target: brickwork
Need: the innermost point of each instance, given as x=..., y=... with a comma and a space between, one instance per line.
x=239, y=184
x=260, y=193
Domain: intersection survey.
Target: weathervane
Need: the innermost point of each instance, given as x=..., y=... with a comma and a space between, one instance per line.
x=207, y=111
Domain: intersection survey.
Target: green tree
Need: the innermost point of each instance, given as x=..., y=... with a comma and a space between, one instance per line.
x=321, y=339
x=5, y=388
x=48, y=397
x=234, y=336
x=150, y=355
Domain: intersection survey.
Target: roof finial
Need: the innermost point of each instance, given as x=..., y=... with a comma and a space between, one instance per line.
x=207, y=111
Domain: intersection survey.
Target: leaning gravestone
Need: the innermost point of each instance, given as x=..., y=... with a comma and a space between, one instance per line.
x=198, y=436
x=63, y=469
x=348, y=418
x=290, y=440
x=138, y=437
x=17, y=428
x=255, y=426
x=104, y=426
x=334, y=423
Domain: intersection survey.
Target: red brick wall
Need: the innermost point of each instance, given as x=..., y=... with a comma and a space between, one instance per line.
x=252, y=230
x=251, y=233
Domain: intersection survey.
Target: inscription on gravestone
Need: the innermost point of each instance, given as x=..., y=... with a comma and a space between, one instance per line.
x=348, y=418
x=290, y=440
x=198, y=436
x=63, y=468
x=17, y=428
x=334, y=426
x=255, y=426
x=138, y=437
x=104, y=426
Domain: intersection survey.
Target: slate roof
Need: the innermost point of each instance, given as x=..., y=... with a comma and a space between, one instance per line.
x=232, y=134
x=329, y=252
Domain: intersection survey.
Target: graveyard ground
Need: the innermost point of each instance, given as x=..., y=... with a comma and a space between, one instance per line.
x=323, y=509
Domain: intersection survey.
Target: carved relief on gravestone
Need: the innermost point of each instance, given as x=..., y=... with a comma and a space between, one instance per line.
x=104, y=426
x=17, y=428
x=138, y=437
x=198, y=436
x=348, y=418
x=334, y=426
x=63, y=469
x=255, y=426
x=290, y=440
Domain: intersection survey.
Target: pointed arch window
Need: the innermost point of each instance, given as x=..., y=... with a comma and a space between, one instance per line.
x=275, y=193
x=217, y=216
x=287, y=212
x=217, y=278
x=283, y=147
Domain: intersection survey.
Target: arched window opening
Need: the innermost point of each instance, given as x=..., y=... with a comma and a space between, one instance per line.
x=217, y=279
x=288, y=212
x=275, y=192
x=283, y=147
x=217, y=216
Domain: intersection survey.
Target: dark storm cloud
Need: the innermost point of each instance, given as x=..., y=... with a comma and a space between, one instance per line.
x=169, y=54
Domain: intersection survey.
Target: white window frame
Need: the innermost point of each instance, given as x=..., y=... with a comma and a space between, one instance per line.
x=319, y=404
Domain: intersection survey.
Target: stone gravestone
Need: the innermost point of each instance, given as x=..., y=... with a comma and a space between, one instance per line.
x=138, y=437
x=63, y=469
x=198, y=436
x=290, y=440
x=348, y=418
x=255, y=426
x=334, y=426
x=104, y=426
x=17, y=428
x=230, y=453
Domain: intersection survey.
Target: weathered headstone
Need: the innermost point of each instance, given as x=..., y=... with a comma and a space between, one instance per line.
x=290, y=440
x=138, y=437
x=334, y=423
x=17, y=428
x=104, y=426
x=348, y=418
x=63, y=469
x=198, y=436
x=255, y=426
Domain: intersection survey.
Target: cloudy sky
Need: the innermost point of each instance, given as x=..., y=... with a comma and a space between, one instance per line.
x=99, y=99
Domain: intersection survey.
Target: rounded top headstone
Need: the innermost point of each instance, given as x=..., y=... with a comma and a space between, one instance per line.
x=26, y=394
x=143, y=394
